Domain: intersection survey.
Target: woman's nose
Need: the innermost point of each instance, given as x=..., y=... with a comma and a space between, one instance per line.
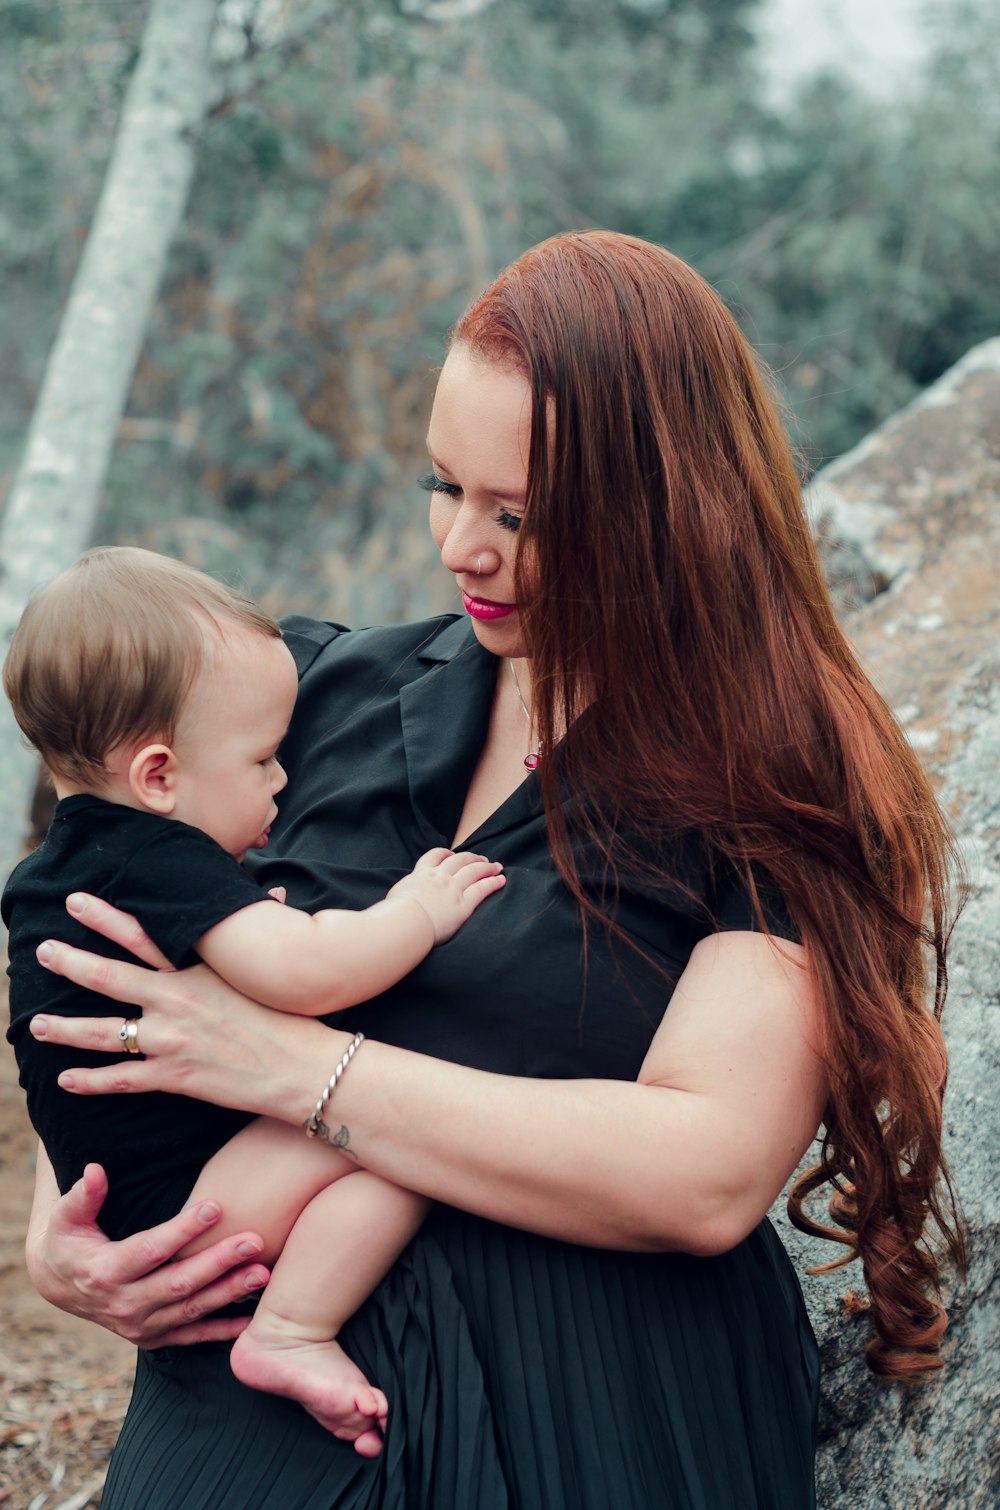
x=465, y=553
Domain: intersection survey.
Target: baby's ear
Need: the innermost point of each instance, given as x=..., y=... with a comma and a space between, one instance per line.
x=152, y=778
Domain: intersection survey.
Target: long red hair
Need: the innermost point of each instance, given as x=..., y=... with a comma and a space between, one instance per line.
x=665, y=519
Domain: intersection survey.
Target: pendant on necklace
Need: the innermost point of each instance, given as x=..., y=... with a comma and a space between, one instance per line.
x=533, y=759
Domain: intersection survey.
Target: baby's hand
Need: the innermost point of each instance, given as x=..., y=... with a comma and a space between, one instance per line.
x=450, y=887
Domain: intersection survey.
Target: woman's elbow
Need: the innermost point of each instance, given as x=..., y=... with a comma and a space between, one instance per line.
x=713, y=1237
x=712, y=1224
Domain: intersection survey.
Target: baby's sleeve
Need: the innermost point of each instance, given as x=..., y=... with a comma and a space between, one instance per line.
x=179, y=884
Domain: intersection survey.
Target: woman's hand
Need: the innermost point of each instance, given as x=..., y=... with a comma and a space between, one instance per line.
x=131, y=1287
x=200, y=1037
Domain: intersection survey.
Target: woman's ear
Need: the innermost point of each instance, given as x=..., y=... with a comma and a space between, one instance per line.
x=152, y=779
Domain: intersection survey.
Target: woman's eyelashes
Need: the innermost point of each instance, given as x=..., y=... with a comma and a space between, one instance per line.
x=432, y=483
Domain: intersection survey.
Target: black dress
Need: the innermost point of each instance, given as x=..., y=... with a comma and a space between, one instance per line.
x=521, y=1371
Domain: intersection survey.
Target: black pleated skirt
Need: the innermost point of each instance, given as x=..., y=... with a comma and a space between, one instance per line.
x=522, y=1374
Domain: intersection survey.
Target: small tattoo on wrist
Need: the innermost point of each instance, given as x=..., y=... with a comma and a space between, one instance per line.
x=341, y=1139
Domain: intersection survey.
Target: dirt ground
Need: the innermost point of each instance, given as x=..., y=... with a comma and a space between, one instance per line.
x=64, y=1384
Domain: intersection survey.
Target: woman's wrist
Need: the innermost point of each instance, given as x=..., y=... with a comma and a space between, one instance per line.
x=290, y=1067
x=299, y=1064
x=315, y=1125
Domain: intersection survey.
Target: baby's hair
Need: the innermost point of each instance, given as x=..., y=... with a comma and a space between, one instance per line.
x=107, y=653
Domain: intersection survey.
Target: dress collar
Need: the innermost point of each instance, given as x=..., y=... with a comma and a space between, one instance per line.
x=454, y=638
x=445, y=715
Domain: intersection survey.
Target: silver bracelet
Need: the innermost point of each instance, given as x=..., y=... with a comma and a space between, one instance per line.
x=315, y=1124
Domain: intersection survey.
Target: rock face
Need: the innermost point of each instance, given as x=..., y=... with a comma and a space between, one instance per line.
x=909, y=527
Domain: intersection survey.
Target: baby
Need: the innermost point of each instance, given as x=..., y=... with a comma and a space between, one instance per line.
x=158, y=698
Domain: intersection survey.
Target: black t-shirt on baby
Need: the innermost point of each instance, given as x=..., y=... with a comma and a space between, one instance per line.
x=179, y=883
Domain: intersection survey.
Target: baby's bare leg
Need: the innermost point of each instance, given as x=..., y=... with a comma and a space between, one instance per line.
x=337, y=1251
x=264, y=1178
x=328, y=1257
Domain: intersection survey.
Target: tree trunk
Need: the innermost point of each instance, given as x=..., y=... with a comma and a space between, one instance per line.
x=50, y=513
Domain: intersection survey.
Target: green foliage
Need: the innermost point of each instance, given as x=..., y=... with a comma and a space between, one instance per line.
x=26, y=20
x=365, y=181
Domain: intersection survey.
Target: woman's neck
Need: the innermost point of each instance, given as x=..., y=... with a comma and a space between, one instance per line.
x=500, y=769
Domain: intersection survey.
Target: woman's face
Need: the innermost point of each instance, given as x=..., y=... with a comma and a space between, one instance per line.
x=478, y=442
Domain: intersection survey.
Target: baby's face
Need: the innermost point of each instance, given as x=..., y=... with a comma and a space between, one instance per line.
x=235, y=718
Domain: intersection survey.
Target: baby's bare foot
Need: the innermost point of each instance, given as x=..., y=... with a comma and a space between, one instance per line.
x=321, y=1377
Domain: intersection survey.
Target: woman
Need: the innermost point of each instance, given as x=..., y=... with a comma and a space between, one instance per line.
x=717, y=811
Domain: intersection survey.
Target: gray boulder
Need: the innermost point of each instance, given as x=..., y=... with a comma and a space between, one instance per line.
x=909, y=529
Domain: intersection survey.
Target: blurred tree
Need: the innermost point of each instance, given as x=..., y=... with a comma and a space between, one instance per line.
x=62, y=78
x=50, y=514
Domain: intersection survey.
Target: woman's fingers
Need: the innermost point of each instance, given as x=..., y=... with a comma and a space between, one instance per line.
x=114, y=978
x=81, y=1205
x=150, y=1297
x=132, y=984
x=132, y=1286
x=121, y=927
x=175, y=1303
x=196, y=1036
x=100, y=1034
x=142, y=1256
x=212, y=1329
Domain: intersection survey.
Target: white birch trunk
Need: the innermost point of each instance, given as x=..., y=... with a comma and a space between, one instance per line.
x=50, y=514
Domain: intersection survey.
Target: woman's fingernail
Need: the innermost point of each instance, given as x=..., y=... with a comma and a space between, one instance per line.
x=248, y=1250
x=76, y=903
x=39, y=1027
x=43, y=954
x=209, y=1212
x=255, y=1279
x=66, y=1080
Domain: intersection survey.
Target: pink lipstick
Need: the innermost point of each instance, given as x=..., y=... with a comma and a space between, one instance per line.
x=483, y=608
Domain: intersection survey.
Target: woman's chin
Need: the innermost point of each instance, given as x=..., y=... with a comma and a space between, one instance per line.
x=501, y=637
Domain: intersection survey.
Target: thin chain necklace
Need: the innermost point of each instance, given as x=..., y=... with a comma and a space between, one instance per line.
x=533, y=757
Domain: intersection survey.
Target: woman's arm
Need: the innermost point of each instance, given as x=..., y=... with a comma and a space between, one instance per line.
x=688, y=1158
x=131, y=1287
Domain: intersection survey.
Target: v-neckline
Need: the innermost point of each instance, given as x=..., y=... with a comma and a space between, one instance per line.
x=445, y=718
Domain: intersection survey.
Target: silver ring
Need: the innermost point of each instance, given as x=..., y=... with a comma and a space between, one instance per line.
x=129, y=1035
x=479, y=565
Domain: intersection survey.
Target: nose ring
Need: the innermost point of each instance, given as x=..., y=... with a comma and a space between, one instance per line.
x=479, y=565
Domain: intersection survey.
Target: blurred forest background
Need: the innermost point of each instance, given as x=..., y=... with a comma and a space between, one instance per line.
x=366, y=167
x=370, y=164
